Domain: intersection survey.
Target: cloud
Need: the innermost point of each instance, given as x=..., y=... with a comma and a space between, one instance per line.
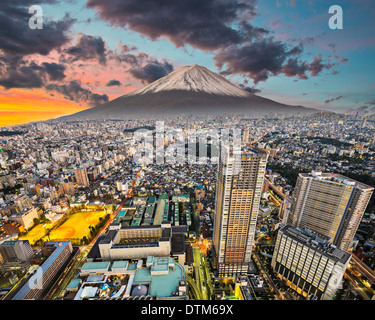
x=133, y=59
x=152, y=71
x=125, y=47
x=205, y=24
x=333, y=99
x=75, y=92
x=249, y=89
x=17, y=73
x=258, y=60
x=293, y=67
x=87, y=48
x=317, y=65
x=224, y=28
x=113, y=82
x=332, y=46
x=54, y=70
x=17, y=38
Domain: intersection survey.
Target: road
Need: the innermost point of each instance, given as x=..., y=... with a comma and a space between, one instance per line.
x=363, y=268
x=358, y=286
x=199, y=274
x=266, y=276
x=274, y=188
x=202, y=274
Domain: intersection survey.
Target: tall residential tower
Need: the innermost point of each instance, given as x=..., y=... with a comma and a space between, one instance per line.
x=81, y=176
x=238, y=190
x=330, y=204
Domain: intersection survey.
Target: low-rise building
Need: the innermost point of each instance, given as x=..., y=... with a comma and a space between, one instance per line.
x=152, y=278
x=25, y=217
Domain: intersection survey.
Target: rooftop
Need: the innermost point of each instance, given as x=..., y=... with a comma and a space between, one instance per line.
x=336, y=178
x=95, y=265
x=317, y=242
x=60, y=246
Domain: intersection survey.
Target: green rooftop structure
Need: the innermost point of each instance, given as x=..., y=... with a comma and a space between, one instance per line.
x=149, y=212
x=136, y=222
x=166, y=213
x=151, y=200
x=120, y=265
x=74, y=285
x=160, y=278
x=132, y=266
x=94, y=267
x=163, y=276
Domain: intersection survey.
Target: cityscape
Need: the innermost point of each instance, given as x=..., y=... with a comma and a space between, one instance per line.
x=288, y=216
x=187, y=156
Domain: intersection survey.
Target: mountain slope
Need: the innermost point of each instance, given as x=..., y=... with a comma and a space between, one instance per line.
x=188, y=90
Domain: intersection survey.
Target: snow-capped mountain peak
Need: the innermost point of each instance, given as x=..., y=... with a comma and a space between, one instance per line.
x=194, y=79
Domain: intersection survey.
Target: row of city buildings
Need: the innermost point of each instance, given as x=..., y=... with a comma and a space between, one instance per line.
x=311, y=250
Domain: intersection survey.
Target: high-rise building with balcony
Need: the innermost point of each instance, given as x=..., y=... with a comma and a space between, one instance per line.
x=238, y=191
x=330, y=204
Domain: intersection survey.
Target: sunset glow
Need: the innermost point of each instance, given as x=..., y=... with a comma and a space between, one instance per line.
x=19, y=106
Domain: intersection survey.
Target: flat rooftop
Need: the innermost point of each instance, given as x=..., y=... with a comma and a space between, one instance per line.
x=317, y=242
x=100, y=265
x=336, y=178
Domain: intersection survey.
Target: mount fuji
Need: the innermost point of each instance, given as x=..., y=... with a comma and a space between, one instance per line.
x=188, y=90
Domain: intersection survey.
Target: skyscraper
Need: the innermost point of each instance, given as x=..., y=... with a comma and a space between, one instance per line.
x=238, y=190
x=330, y=204
x=81, y=176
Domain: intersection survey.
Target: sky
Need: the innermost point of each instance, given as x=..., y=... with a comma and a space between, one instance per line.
x=89, y=52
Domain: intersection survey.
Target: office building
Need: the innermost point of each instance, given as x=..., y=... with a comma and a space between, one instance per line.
x=308, y=262
x=22, y=202
x=330, y=204
x=68, y=188
x=81, y=176
x=15, y=254
x=132, y=242
x=25, y=217
x=246, y=136
x=58, y=254
x=238, y=191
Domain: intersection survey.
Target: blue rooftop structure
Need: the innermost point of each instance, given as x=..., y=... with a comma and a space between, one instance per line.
x=36, y=278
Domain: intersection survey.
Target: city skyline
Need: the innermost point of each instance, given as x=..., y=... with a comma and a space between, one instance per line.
x=78, y=61
x=214, y=151
x=208, y=230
